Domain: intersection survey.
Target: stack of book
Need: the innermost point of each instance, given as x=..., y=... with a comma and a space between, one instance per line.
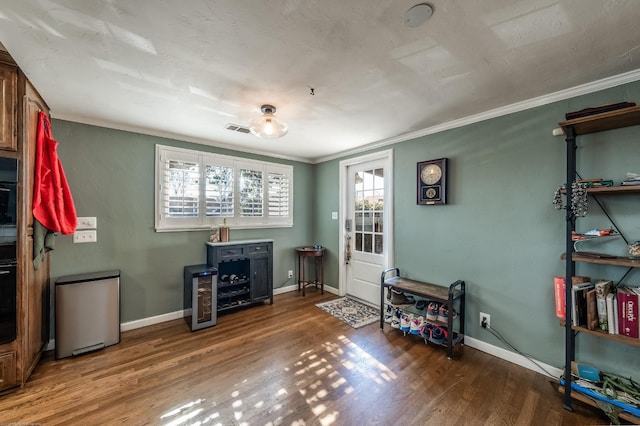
x=600, y=306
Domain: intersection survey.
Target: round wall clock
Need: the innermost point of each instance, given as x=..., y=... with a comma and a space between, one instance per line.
x=432, y=182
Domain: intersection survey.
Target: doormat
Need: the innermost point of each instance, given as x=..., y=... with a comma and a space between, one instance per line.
x=349, y=311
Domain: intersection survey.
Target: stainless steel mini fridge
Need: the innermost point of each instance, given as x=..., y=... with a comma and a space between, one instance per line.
x=200, y=296
x=87, y=312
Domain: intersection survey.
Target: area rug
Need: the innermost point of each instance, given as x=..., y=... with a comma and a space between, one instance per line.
x=349, y=311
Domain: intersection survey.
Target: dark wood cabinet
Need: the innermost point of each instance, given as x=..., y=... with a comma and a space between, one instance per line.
x=8, y=95
x=18, y=140
x=260, y=273
x=245, y=272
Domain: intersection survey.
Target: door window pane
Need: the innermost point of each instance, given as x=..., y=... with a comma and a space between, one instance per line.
x=367, y=243
x=368, y=210
x=378, y=244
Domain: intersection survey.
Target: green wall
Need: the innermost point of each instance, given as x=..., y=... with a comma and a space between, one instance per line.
x=500, y=232
x=111, y=176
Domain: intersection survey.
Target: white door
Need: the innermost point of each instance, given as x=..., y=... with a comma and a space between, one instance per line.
x=367, y=227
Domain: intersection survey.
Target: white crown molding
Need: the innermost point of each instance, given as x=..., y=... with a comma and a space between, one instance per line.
x=169, y=135
x=583, y=89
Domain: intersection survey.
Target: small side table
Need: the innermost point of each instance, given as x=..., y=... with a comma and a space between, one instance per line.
x=317, y=254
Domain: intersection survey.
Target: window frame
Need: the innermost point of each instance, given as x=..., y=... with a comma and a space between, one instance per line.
x=163, y=223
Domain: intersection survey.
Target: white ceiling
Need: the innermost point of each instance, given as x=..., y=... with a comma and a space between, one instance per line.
x=187, y=68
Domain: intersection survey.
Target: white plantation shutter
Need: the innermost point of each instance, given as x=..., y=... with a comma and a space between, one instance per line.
x=219, y=182
x=251, y=193
x=195, y=190
x=181, y=188
x=278, y=194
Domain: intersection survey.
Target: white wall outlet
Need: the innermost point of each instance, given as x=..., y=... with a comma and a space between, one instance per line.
x=486, y=318
x=334, y=215
x=87, y=223
x=290, y=273
x=85, y=236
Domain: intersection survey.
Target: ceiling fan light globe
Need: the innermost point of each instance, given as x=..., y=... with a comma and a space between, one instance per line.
x=267, y=126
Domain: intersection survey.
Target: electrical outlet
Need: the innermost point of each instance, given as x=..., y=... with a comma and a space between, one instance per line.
x=290, y=273
x=485, y=320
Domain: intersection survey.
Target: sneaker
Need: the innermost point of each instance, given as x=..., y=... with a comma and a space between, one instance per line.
x=405, y=322
x=395, y=323
x=399, y=298
x=432, y=311
x=416, y=325
x=388, y=315
x=427, y=328
x=443, y=314
x=421, y=304
x=438, y=335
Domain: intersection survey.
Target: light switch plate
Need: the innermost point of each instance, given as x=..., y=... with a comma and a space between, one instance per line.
x=87, y=223
x=85, y=236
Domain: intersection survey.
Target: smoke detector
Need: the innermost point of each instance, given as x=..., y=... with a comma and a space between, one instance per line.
x=417, y=15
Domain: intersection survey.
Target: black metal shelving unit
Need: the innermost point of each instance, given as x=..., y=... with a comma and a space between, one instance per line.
x=573, y=128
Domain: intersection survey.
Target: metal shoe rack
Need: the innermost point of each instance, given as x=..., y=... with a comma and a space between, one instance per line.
x=449, y=296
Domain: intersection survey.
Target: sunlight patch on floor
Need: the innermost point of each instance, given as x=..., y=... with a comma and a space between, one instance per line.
x=318, y=377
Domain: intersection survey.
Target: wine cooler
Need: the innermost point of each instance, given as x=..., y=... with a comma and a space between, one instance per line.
x=200, y=296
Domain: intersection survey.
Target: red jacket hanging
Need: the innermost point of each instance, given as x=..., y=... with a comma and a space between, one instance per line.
x=52, y=202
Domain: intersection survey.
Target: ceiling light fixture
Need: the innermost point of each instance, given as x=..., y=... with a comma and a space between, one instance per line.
x=267, y=126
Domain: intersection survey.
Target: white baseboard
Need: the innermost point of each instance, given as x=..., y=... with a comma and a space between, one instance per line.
x=332, y=290
x=131, y=325
x=286, y=289
x=294, y=287
x=512, y=357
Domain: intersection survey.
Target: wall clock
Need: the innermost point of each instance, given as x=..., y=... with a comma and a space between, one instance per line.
x=432, y=182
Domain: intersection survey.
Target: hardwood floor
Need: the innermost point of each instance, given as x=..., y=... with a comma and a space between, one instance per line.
x=288, y=363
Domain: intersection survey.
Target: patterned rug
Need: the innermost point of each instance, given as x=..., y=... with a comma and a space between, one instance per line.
x=349, y=311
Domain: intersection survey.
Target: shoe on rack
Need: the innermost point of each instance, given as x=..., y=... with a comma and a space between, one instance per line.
x=389, y=314
x=432, y=311
x=416, y=325
x=399, y=298
x=438, y=335
x=427, y=328
x=395, y=323
x=421, y=304
x=405, y=322
x=443, y=314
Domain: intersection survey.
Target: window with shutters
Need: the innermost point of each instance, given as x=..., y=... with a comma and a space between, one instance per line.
x=195, y=190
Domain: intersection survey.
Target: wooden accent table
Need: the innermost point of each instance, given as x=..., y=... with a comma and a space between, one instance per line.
x=317, y=254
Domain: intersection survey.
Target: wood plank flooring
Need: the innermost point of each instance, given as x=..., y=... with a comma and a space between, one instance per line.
x=288, y=363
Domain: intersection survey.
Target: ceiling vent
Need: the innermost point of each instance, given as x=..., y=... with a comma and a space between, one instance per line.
x=237, y=128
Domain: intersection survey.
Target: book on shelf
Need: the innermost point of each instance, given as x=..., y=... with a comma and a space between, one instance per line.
x=592, y=310
x=559, y=293
x=579, y=303
x=612, y=316
x=603, y=288
x=628, y=312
